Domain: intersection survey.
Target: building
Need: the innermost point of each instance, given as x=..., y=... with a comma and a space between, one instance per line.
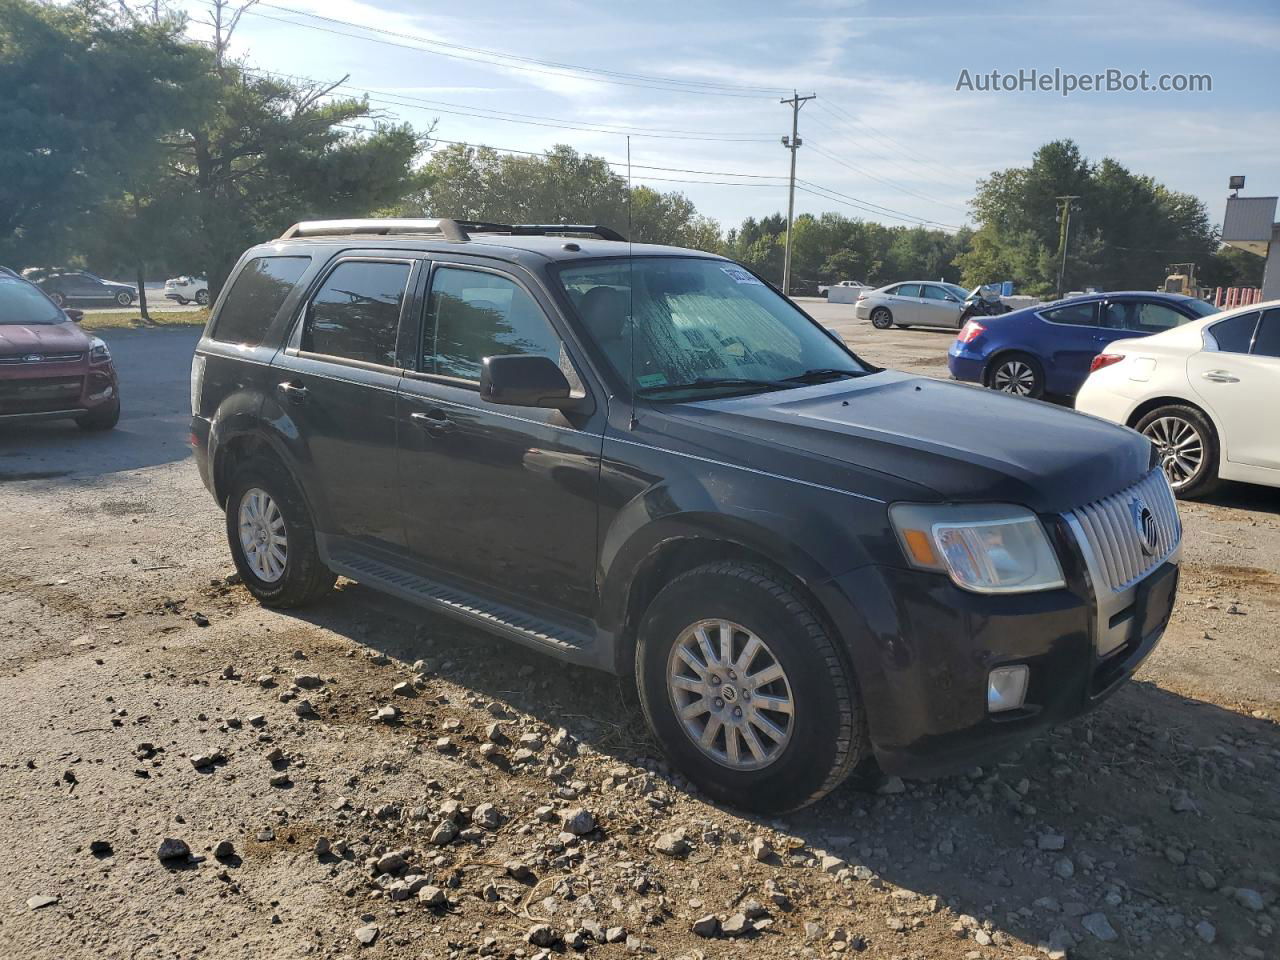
x=1250, y=224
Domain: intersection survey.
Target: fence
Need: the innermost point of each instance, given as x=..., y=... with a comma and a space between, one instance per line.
x=1227, y=297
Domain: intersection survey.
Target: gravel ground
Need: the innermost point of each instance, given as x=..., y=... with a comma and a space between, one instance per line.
x=183, y=773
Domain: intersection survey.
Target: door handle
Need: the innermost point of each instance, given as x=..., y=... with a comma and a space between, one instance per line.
x=293, y=392
x=435, y=422
x=1220, y=376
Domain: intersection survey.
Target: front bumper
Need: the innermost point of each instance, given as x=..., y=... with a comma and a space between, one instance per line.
x=52, y=391
x=923, y=649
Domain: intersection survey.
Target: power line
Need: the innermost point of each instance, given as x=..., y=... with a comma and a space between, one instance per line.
x=487, y=58
x=862, y=125
x=874, y=208
x=874, y=154
x=889, y=183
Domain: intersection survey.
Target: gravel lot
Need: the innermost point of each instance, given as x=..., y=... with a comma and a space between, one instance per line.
x=512, y=806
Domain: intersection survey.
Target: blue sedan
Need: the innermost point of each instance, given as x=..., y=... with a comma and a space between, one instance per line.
x=1048, y=349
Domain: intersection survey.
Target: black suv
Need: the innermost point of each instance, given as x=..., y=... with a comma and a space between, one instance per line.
x=647, y=460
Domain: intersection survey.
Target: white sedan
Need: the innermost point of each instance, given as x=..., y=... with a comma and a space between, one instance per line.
x=1205, y=393
x=186, y=289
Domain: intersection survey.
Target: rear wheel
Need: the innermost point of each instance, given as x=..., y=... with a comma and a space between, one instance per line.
x=1188, y=448
x=272, y=537
x=881, y=318
x=57, y=297
x=1018, y=374
x=741, y=683
x=182, y=300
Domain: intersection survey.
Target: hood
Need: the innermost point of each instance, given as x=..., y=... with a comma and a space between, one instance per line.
x=964, y=443
x=42, y=338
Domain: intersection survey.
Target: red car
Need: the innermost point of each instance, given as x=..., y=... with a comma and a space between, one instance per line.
x=50, y=369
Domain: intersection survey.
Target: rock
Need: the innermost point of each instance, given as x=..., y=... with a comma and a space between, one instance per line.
x=275, y=755
x=202, y=760
x=445, y=833
x=896, y=924
x=615, y=935
x=1099, y=926
x=224, y=850
x=266, y=681
x=831, y=864
x=487, y=815
x=229, y=673
x=387, y=714
x=1051, y=841
x=672, y=844
x=577, y=821
x=308, y=681
x=1249, y=899
x=762, y=849
x=101, y=848
x=707, y=926
x=519, y=871
x=1065, y=868
x=172, y=848
x=303, y=708
x=323, y=847
x=280, y=780
x=40, y=901
x=737, y=926
x=891, y=786
x=1181, y=802
x=495, y=734
x=367, y=935
x=1206, y=931
x=813, y=931
x=432, y=897
x=544, y=935
x=404, y=689
x=391, y=862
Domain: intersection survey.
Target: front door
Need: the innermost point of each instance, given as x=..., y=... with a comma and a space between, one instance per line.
x=335, y=385
x=1073, y=338
x=939, y=307
x=1242, y=389
x=495, y=497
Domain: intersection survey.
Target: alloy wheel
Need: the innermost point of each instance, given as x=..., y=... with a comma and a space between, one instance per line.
x=1180, y=446
x=1015, y=377
x=263, y=536
x=730, y=694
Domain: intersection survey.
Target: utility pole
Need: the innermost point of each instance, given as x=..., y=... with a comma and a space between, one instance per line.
x=792, y=143
x=1066, y=236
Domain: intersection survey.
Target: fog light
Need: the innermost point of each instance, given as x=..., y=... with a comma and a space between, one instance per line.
x=1007, y=688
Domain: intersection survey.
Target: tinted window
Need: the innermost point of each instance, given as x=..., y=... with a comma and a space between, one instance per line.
x=1267, y=341
x=1142, y=316
x=255, y=297
x=22, y=303
x=355, y=315
x=935, y=293
x=1234, y=334
x=473, y=315
x=907, y=290
x=1074, y=314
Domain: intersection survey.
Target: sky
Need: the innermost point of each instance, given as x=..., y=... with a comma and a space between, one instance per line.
x=889, y=136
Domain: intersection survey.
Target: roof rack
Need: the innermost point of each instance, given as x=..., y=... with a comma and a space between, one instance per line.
x=458, y=231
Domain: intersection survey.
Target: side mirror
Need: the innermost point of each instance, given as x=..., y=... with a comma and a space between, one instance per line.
x=73, y=314
x=524, y=380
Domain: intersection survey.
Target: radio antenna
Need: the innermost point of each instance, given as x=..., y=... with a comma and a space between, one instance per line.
x=631, y=287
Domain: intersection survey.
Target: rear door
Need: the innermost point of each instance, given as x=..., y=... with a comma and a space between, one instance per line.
x=905, y=303
x=499, y=499
x=335, y=389
x=1240, y=383
x=939, y=308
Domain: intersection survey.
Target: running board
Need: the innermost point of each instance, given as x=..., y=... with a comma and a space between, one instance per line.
x=566, y=643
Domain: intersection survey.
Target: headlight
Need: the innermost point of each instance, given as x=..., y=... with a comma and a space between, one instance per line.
x=986, y=548
x=98, y=352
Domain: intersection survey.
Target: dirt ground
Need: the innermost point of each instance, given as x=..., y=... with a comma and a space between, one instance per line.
x=514, y=807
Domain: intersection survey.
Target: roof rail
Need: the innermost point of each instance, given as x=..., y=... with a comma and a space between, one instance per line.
x=449, y=229
x=458, y=231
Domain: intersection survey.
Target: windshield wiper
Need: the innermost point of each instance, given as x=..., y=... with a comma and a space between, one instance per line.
x=712, y=383
x=822, y=374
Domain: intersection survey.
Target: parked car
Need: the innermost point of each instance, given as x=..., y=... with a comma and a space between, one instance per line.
x=1206, y=395
x=50, y=369
x=1047, y=349
x=83, y=287
x=185, y=289
x=645, y=460
x=825, y=288
x=6, y=272
x=916, y=303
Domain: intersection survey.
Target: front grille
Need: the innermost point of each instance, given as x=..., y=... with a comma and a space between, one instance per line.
x=1112, y=529
x=22, y=358
x=38, y=395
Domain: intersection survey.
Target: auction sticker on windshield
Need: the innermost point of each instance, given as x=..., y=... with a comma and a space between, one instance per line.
x=740, y=276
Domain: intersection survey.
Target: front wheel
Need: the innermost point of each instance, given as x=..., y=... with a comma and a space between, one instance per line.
x=58, y=298
x=272, y=537
x=881, y=318
x=124, y=298
x=1017, y=374
x=741, y=683
x=1188, y=448
x=202, y=297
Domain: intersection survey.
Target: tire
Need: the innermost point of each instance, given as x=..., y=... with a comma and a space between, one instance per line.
x=182, y=300
x=303, y=578
x=124, y=298
x=101, y=418
x=58, y=298
x=881, y=318
x=1017, y=374
x=825, y=733
x=202, y=297
x=1189, y=431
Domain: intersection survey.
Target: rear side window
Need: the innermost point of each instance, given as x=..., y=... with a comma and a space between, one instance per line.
x=473, y=315
x=1267, y=341
x=1143, y=316
x=255, y=297
x=355, y=315
x=1074, y=314
x=1234, y=334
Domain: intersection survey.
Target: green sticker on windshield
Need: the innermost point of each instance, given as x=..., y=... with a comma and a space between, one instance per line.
x=652, y=379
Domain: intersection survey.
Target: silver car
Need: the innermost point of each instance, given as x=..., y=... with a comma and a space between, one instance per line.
x=915, y=303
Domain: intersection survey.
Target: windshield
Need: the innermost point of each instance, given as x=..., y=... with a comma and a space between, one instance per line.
x=22, y=303
x=959, y=291
x=699, y=323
